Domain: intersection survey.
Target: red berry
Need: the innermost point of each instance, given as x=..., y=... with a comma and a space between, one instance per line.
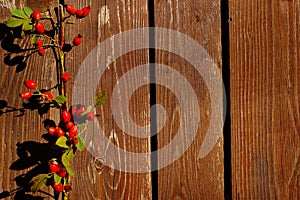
x=30, y=84
x=38, y=43
x=67, y=188
x=79, y=111
x=40, y=28
x=59, y=132
x=90, y=116
x=26, y=95
x=47, y=95
x=74, y=110
x=70, y=9
x=77, y=40
x=73, y=131
x=65, y=77
x=75, y=141
x=36, y=15
x=66, y=116
x=69, y=125
x=62, y=173
x=54, y=166
x=52, y=131
x=41, y=51
x=58, y=187
x=79, y=14
x=86, y=11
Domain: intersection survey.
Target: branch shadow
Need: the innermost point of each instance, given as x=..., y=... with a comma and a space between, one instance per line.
x=33, y=103
x=16, y=56
x=13, y=57
x=34, y=157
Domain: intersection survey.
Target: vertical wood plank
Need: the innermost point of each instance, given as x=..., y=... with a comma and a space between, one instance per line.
x=264, y=48
x=21, y=144
x=93, y=180
x=189, y=177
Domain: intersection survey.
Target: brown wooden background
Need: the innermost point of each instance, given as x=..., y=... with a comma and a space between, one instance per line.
x=256, y=45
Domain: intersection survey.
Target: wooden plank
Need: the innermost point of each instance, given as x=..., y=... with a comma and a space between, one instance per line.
x=189, y=177
x=20, y=132
x=265, y=52
x=95, y=181
x=92, y=179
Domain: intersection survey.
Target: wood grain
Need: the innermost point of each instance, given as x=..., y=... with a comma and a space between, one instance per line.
x=189, y=177
x=265, y=52
x=92, y=179
x=21, y=129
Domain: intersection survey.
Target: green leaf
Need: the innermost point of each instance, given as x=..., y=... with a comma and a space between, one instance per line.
x=27, y=11
x=80, y=145
x=70, y=154
x=61, y=99
x=62, y=142
x=38, y=182
x=27, y=26
x=19, y=13
x=33, y=39
x=13, y=22
x=57, y=178
x=65, y=160
x=100, y=98
x=70, y=171
x=67, y=157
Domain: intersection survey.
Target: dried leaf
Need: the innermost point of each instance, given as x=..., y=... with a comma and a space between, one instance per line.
x=100, y=98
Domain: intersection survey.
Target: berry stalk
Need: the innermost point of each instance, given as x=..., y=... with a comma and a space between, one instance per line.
x=62, y=70
x=61, y=53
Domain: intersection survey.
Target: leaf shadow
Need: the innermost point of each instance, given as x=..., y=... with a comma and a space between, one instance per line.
x=33, y=157
x=16, y=56
x=33, y=103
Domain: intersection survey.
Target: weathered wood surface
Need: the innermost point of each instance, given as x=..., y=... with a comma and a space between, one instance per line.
x=92, y=180
x=189, y=177
x=17, y=126
x=264, y=93
x=110, y=18
x=264, y=49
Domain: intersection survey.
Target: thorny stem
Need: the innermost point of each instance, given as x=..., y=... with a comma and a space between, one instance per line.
x=62, y=66
x=61, y=44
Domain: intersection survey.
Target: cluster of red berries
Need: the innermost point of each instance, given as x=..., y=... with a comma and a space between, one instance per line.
x=47, y=96
x=59, y=187
x=63, y=138
x=30, y=84
x=57, y=168
x=68, y=128
x=40, y=29
x=80, y=113
x=81, y=13
x=39, y=46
